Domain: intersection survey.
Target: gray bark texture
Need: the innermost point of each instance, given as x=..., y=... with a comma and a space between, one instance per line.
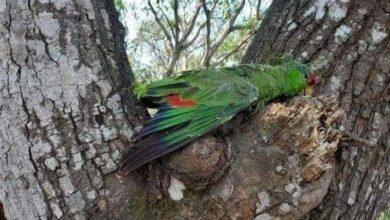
x=67, y=114
x=348, y=43
x=65, y=110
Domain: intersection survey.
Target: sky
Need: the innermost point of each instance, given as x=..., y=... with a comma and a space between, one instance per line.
x=132, y=22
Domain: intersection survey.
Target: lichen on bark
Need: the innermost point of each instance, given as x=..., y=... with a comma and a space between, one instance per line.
x=65, y=108
x=347, y=43
x=280, y=164
x=67, y=114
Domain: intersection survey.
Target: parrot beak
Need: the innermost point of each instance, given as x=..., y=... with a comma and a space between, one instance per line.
x=312, y=80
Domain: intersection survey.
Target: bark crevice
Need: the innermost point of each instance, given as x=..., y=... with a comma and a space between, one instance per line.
x=54, y=152
x=347, y=43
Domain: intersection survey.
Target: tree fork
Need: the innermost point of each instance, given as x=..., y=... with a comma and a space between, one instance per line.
x=67, y=115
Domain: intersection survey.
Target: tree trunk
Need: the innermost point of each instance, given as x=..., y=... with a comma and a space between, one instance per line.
x=348, y=43
x=66, y=116
x=65, y=110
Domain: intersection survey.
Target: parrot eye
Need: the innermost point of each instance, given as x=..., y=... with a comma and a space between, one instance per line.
x=304, y=70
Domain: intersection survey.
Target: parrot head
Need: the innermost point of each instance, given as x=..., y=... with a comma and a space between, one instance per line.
x=310, y=76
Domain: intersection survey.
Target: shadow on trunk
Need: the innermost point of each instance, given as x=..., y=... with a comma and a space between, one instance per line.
x=2, y=216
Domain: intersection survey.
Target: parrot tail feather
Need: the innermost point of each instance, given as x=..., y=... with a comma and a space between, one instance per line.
x=150, y=148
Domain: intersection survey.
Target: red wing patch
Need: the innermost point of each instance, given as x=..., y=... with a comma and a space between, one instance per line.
x=175, y=100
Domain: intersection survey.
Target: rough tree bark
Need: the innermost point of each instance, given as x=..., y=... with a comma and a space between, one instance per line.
x=66, y=115
x=348, y=42
x=65, y=109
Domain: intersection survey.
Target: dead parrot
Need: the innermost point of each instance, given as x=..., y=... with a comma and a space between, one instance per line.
x=198, y=101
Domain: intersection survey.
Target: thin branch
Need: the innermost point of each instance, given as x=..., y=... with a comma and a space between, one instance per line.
x=177, y=21
x=171, y=28
x=190, y=42
x=228, y=30
x=213, y=7
x=206, y=61
x=238, y=27
x=199, y=29
x=191, y=24
x=235, y=50
x=159, y=51
x=180, y=42
x=220, y=39
x=160, y=23
x=258, y=16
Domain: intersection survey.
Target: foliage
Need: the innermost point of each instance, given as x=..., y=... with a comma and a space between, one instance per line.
x=384, y=216
x=120, y=6
x=176, y=35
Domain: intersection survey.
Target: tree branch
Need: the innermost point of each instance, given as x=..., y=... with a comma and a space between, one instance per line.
x=258, y=16
x=205, y=60
x=160, y=24
x=190, y=42
x=229, y=29
x=219, y=40
x=171, y=27
x=191, y=24
x=177, y=21
x=179, y=42
x=235, y=50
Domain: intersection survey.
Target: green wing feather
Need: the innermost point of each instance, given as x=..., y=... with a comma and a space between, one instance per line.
x=196, y=102
x=216, y=96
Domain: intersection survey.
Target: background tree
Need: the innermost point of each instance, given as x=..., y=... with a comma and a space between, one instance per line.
x=178, y=35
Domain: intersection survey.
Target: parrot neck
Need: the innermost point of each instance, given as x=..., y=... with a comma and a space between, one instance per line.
x=277, y=81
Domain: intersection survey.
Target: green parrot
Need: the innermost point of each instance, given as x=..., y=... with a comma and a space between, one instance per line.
x=198, y=101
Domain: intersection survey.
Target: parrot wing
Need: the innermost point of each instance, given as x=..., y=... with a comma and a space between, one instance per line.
x=188, y=107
